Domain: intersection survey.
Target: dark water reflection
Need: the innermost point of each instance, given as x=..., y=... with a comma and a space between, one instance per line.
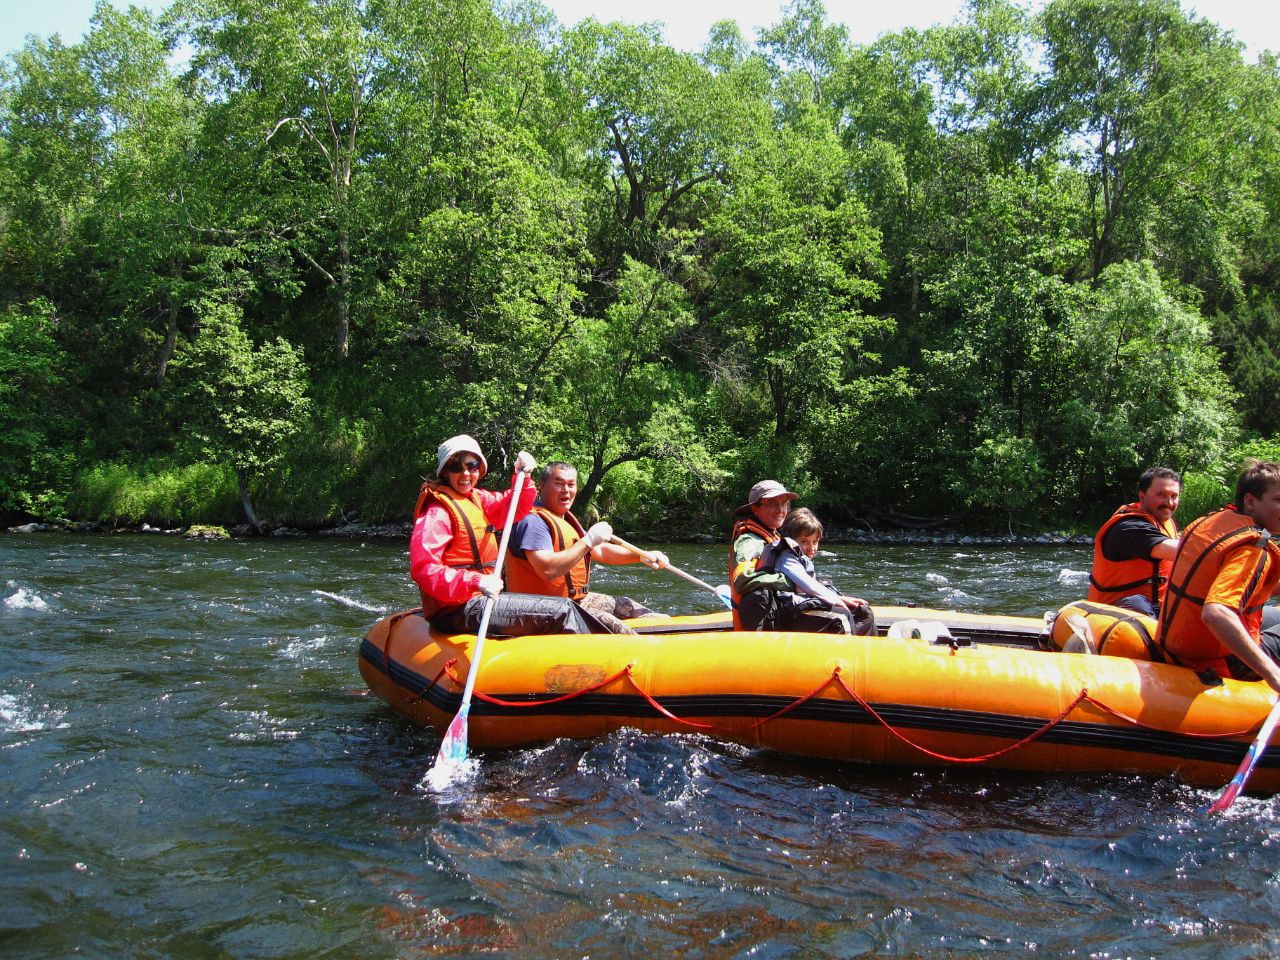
x=191, y=768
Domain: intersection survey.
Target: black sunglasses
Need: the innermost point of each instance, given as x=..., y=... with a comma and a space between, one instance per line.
x=453, y=466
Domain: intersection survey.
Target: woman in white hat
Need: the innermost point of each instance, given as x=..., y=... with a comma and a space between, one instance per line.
x=454, y=547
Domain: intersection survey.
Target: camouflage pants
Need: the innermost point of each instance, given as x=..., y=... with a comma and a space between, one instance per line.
x=611, y=611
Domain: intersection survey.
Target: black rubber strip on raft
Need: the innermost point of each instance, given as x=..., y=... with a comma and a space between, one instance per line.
x=902, y=717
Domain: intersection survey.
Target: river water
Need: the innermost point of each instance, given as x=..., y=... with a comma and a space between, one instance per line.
x=190, y=767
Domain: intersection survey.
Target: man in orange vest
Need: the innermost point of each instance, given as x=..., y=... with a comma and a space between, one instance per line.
x=1227, y=566
x=1133, y=551
x=551, y=554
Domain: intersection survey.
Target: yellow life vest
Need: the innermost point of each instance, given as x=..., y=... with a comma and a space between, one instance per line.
x=1113, y=580
x=736, y=569
x=1117, y=632
x=1205, y=546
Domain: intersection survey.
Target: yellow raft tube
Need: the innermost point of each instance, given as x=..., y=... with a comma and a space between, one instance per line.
x=869, y=699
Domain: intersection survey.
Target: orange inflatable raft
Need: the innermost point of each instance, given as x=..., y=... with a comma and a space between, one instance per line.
x=910, y=701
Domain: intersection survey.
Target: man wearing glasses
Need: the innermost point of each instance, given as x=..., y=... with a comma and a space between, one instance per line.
x=454, y=547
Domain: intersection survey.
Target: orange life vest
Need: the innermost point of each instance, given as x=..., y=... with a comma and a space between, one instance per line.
x=565, y=532
x=1205, y=545
x=741, y=526
x=1112, y=580
x=1116, y=632
x=475, y=541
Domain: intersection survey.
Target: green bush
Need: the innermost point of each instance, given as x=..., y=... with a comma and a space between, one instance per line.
x=156, y=492
x=1201, y=493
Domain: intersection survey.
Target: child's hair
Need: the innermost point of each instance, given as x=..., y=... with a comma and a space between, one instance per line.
x=802, y=523
x=1257, y=477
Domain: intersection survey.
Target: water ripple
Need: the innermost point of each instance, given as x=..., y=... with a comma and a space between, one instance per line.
x=193, y=768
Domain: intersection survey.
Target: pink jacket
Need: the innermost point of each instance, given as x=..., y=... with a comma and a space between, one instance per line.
x=432, y=532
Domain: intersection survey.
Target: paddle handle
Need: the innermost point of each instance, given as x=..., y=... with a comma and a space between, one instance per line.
x=1251, y=758
x=674, y=569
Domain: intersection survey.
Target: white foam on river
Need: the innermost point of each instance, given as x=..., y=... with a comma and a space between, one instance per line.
x=24, y=599
x=18, y=715
x=348, y=602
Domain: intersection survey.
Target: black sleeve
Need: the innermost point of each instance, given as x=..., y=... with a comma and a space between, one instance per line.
x=1130, y=539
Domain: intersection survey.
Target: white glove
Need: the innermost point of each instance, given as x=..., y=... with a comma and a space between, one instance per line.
x=490, y=584
x=598, y=534
x=659, y=560
x=525, y=462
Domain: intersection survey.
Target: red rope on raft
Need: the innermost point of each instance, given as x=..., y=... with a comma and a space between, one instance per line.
x=391, y=628
x=1081, y=696
x=1185, y=733
x=628, y=672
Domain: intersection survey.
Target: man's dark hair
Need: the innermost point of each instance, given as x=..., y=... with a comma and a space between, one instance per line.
x=1257, y=477
x=553, y=467
x=1152, y=474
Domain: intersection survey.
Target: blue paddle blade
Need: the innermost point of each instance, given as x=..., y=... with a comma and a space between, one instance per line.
x=453, y=747
x=722, y=592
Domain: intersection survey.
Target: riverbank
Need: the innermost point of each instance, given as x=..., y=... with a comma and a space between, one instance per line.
x=364, y=531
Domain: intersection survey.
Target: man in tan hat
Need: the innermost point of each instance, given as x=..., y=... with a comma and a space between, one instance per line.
x=763, y=598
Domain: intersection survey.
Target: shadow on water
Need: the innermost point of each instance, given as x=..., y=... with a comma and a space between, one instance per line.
x=193, y=769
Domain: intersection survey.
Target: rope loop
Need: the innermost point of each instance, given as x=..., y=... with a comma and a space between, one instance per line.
x=981, y=758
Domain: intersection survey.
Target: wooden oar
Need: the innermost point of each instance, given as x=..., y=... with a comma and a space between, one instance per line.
x=453, y=748
x=1251, y=758
x=645, y=555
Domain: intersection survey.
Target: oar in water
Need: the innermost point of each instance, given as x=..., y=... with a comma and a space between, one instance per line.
x=453, y=748
x=1251, y=758
x=647, y=556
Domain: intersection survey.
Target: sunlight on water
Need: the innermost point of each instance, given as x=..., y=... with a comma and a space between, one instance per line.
x=19, y=715
x=349, y=602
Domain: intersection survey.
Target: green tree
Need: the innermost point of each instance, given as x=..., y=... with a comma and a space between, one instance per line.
x=239, y=404
x=622, y=399
x=1250, y=336
x=798, y=262
x=1158, y=103
x=660, y=121
x=294, y=86
x=141, y=232
x=1150, y=388
x=1005, y=475
x=55, y=151
x=35, y=439
x=484, y=293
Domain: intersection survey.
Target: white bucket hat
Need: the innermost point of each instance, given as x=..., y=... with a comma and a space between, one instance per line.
x=462, y=443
